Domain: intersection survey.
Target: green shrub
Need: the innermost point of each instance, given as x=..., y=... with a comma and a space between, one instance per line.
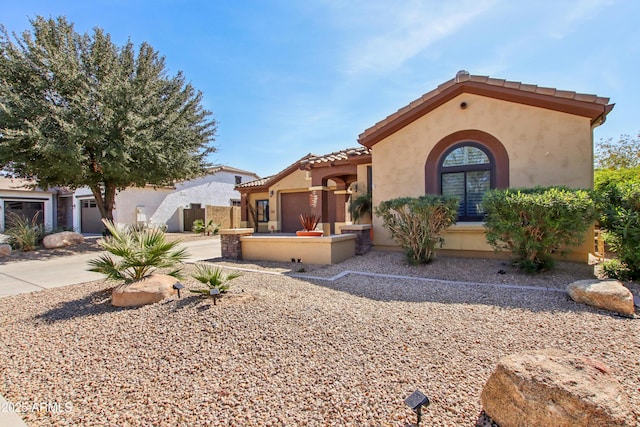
x=213, y=279
x=139, y=253
x=24, y=234
x=360, y=206
x=619, y=207
x=417, y=224
x=199, y=226
x=535, y=223
x=609, y=178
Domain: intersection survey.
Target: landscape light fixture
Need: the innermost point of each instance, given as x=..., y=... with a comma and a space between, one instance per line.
x=177, y=286
x=215, y=293
x=416, y=401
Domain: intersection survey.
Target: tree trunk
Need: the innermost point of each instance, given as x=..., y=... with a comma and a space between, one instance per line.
x=105, y=201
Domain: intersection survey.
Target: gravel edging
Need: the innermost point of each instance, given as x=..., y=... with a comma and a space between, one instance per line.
x=283, y=350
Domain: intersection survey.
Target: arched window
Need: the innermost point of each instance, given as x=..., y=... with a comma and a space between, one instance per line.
x=466, y=172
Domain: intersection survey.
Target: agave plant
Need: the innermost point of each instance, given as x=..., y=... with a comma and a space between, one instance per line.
x=213, y=278
x=139, y=253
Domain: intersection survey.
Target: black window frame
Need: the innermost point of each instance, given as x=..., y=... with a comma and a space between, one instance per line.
x=262, y=215
x=491, y=167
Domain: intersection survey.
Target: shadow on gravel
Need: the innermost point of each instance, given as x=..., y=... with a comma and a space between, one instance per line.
x=96, y=303
x=415, y=291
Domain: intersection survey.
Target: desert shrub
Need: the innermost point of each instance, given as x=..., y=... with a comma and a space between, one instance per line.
x=200, y=227
x=213, y=278
x=417, y=224
x=619, y=208
x=535, y=223
x=139, y=253
x=24, y=234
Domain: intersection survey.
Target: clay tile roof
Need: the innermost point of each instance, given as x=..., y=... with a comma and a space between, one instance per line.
x=337, y=156
x=592, y=106
x=264, y=183
x=255, y=183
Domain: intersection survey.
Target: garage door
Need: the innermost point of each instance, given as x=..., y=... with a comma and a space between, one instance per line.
x=24, y=209
x=90, y=218
x=293, y=204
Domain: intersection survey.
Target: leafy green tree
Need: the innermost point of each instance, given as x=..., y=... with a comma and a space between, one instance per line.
x=621, y=154
x=77, y=110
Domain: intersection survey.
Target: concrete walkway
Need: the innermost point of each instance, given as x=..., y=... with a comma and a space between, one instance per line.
x=29, y=276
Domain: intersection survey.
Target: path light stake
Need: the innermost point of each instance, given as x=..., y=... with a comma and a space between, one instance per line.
x=215, y=293
x=177, y=286
x=416, y=401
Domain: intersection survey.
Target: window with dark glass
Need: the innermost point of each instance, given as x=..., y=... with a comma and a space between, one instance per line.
x=262, y=210
x=238, y=179
x=466, y=173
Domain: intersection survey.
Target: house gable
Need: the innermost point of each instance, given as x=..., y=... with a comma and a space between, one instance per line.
x=591, y=106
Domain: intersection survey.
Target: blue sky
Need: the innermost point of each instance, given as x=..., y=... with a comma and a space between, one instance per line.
x=285, y=78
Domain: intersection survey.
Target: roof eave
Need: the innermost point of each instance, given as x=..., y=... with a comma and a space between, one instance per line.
x=592, y=110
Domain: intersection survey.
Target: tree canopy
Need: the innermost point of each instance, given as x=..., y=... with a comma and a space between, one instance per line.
x=621, y=154
x=77, y=110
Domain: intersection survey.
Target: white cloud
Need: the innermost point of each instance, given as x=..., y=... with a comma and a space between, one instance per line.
x=384, y=35
x=565, y=22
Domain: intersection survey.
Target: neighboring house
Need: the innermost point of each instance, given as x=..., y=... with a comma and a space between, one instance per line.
x=22, y=198
x=469, y=135
x=176, y=206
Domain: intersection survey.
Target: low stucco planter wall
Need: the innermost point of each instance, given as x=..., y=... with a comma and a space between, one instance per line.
x=310, y=250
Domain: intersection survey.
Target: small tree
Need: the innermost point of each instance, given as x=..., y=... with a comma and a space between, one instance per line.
x=139, y=253
x=417, y=224
x=535, y=223
x=621, y=154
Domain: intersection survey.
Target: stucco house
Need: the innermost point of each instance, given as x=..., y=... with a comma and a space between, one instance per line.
x=319, y=184
x=21, y=197
x=176, y=206
x=468, y=135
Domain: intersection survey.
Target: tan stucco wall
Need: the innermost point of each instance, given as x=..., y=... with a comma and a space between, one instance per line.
x=544, y=147
x=309, y=250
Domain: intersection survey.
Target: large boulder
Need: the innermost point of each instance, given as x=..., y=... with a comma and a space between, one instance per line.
x=62, y=239
x=609, y=295
x=5, y=250
x=149, y=290
x=553, y=388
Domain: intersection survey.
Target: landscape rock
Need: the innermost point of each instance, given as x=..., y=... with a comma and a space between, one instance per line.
x=609, y=295
x=5, y=250
x=62, y=239
x=149, y=290
x=553, y=388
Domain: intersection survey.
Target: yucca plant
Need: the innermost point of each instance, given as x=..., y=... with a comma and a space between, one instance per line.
x=139, y=253
x=24, y=234
x=213, y=278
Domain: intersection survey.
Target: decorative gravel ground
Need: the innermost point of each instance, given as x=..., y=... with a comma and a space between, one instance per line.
x=282, y=350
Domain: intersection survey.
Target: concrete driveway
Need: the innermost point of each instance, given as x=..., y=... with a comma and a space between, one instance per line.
x=29, y=276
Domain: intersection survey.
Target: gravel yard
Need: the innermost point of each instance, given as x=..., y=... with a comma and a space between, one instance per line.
x=310, y=350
